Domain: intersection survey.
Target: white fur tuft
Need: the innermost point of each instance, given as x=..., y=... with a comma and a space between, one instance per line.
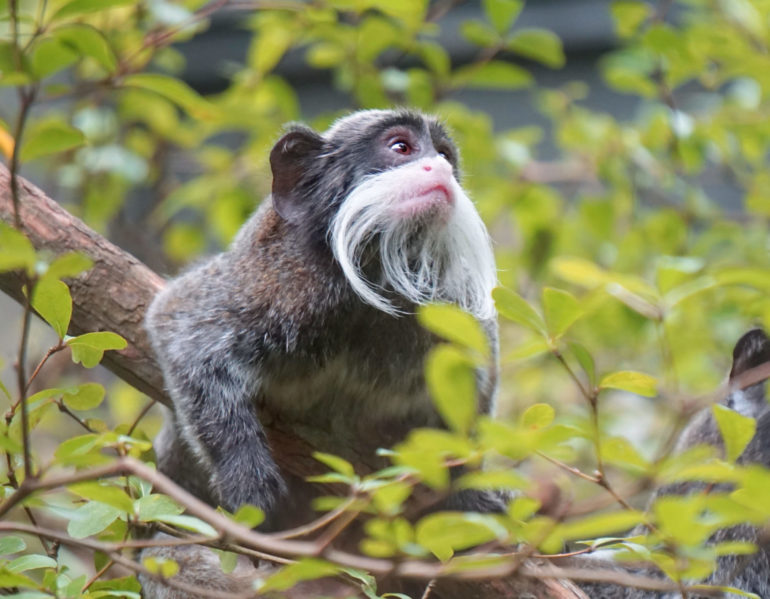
x=424, y=258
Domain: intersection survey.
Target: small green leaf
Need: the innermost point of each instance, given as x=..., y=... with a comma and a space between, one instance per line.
x=227, y=561
x=91, y=518
x=50, y=137
x=31, y=562
x=537, y=416
x=68, y=265
x=175, y=90
x=51, y=299
x=89, y=348
x=479, y=33
x=454, y=325
x=307, y=568
x=49, y=55
x=108, y=494
x=83, y=397
x=11, y=544
x=77, y=8
x=502, y=13
x=629, y=16
x=737, y=430
x=514, y=307
x=634, y=382
x=16, y=252
x=162, y=566
x=249, y=515
x=190, y=523
x=494, y=74
x=452, y=384
x=492, y=480
x=445, y=533
x=157, y=507
x=538, y=44
x=586, y=361
x=600, y=525
x=561, y=310
x=88, y=41
x=336, y=463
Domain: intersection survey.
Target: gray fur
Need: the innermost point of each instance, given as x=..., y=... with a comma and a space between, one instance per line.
x=748, y=573
x=272, y=328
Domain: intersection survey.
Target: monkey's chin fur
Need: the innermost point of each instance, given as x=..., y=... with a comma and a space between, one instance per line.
x=432, y=256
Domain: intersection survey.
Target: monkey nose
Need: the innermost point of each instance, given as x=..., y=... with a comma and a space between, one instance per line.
x=427, y=168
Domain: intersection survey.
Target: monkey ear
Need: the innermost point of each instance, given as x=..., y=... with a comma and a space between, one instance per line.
x=289, y=159
x=751, y=350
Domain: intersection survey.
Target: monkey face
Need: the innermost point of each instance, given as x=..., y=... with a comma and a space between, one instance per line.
x=383, y=185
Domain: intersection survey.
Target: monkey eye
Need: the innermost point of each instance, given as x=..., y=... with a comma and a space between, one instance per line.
x=401, y=147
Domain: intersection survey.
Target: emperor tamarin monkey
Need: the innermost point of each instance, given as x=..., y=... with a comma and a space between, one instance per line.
x=310, y=315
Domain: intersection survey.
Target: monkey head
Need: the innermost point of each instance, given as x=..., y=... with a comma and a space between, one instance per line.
x=380, y=189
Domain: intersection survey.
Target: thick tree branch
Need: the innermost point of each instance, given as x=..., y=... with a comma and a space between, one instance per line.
x=112, y=296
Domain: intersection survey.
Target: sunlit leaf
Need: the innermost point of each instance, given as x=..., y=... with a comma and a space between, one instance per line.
x=89, y=348
x=634, y=382
x=51, y=299
x=736, y=429
x=494, y=74
x=452, y=384
x=451, y=323
x=175, y=90
x=305, y=569
x=78, y=8
x=538, y=44
x=502, y=13
x=514, y=307
x=561, y=310
x=50, y=137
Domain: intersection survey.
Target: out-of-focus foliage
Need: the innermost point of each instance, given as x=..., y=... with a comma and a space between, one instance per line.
x=626, y=275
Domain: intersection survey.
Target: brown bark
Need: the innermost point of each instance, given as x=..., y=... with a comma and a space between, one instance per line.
x=114, y=295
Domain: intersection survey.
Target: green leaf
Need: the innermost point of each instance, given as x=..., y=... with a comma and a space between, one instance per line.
x=166, y=568
x=49, y=55
x=494, y=74
x=307, y=568
x=452, y=384
x=492, y=480
x=50, y=137
x=68, y=265
x=445, y=533
x=537, y=416
x=190, y=523
x=586, y=361
x=634, y=382
x=249, y=515
x=51, y=299
x=227, y=561
x=108, y=494
x=514, y=307
x=78, y=8
x=538, y=44
x=737, y=430
x=91, y=518
x=89, y=348
x=31, y=562
x=502, y=13
x=88, y=41
x=579, y=272
x=479, y=33
x=561, y=310
x=11, y=544
x=269, y=46
x=336, y=463
x=600, y=525
x=16, y=252
x=454, y=325
x=83, y=397
x=175, y=90
x=629, y=16
x=157, y=507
